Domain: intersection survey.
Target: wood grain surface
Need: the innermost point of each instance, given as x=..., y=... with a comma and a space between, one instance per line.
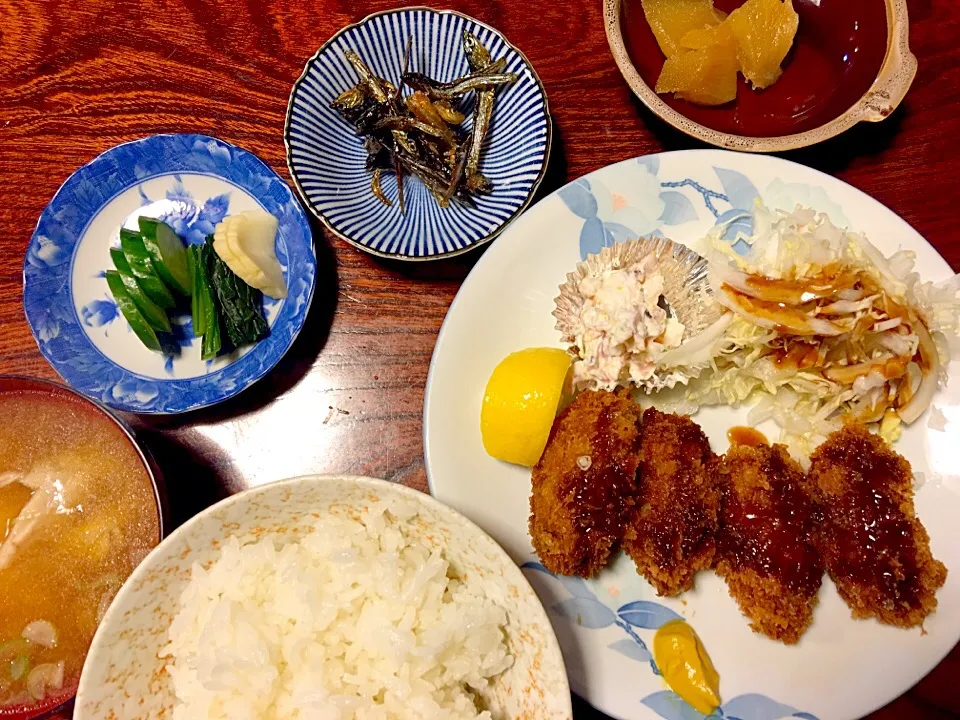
x=79, y=76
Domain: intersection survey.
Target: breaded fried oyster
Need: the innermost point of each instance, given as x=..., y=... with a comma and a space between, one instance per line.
x=670, y=535
x=765, y=546
x=874, y=546
x=584, y=483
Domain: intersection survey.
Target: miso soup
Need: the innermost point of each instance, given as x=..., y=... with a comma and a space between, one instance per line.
x=78, y=513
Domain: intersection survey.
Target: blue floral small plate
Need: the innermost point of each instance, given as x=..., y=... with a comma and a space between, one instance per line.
x=191, y=182
x=327, y=159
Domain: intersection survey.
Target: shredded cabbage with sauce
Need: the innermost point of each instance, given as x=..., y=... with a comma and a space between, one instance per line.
x=825, y=329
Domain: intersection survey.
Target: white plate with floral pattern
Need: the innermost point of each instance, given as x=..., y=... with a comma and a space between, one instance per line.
x=842, y=668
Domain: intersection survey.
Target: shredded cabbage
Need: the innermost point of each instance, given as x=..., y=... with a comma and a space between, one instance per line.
x=800, y=276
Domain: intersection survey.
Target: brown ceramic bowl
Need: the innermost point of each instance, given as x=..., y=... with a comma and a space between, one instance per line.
x=850, y=62
x=18, y=385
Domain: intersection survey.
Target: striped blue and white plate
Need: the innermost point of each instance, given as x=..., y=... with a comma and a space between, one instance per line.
x=326, y=157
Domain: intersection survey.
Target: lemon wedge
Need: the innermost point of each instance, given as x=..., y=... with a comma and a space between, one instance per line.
x=245, y=242
x=520, y=404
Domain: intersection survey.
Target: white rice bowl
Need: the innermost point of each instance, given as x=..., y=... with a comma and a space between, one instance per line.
x=325, y=598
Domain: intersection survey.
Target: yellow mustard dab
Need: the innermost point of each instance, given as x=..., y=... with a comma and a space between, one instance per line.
x=686, y=667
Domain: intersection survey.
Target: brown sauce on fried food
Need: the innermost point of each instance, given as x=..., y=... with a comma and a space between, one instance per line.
x=765, y=546
x=585, y=482
x=742, y=435
x=671, y=533
x=875, y=548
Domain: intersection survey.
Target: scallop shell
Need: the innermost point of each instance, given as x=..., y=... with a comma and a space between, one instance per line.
x=686, y=292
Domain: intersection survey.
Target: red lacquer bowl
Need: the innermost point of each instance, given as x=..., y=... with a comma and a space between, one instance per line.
x=850, y=62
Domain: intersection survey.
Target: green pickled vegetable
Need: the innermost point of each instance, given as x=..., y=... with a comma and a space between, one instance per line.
x=212, y=343
x=241, y=306
x=167, y=252
x=10, y=649
x=129, y=310
x=155, y=315
x=196, y=293
x=142, y=268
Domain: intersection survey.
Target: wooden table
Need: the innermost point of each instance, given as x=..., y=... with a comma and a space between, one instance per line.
x=78, y=76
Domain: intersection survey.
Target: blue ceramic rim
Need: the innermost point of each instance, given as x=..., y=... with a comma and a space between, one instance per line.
x=400, y=256
x=202, y=391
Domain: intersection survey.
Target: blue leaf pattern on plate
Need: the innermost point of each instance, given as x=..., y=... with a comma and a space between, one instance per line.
x=677, y=208
x=651, y=163
x=667, y=704
x=46, y=253
x=576, y=586
x=618, y=233
x=591, y=614
x=99, y=313
x=594, y=237
x=732, y=215
x=179, y=193
x=626, y=646
x=531, y=565
x=736, y=223
x=646, y=614
x=181, y=337
x=135, y=391
x=673, y=205
x=579, y=199
x=739, y=190
x=573, y=584
x=49, y=295
x=786, y=196
x=757, y=707
x=191, y=222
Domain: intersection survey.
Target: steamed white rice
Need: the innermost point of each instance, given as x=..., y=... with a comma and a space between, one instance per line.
x=358, y=620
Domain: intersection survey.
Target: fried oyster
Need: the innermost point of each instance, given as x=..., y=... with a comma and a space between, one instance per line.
x=875, y=548
x=765, y=545
x=584, y=483
x=670, y=535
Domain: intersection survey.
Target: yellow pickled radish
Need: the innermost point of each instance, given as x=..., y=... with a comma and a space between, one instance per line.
x=686, y=667
x=520, y=403
x=245, y=242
